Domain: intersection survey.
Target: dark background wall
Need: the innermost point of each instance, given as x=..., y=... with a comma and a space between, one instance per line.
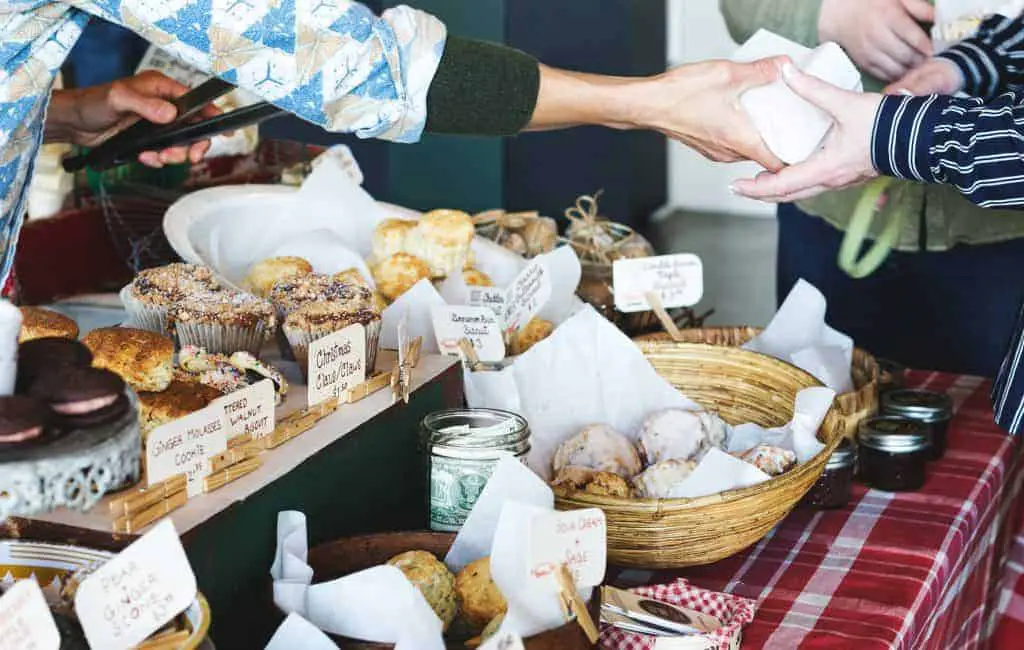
x=536, y=171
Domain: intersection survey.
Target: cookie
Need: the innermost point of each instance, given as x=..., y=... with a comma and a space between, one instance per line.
x=21, y=419
x=40, y=357
x=82, y=397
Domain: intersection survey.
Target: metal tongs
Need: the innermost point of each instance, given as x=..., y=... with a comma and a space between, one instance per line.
x=142, y=136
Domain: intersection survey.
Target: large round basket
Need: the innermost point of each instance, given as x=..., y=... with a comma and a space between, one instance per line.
x=740, y=386
x=854, y=407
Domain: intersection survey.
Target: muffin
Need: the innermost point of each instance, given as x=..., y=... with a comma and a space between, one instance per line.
x=530, y=335
x=316, y=320
x=398, y=273
x=289, y=295
x=442, y=239
x=389, y=237
x=223, y=322
x=153, y=291
x=143, y=359
x=178, y=400
x=355, y=276
x=433, y=579
x=477, y=278
x=38, y=323
x=480, y=600
x=264, y=275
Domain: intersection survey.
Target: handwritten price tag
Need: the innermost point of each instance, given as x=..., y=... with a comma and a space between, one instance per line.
x=186, y=445
x=250, y=410
x=576, y=538
x=678, y=279
x=526, y=296
x=337, y=362
x=504, y=641
x=25, y=619
x=478, y=324
x=491, y=297
x=136, y=593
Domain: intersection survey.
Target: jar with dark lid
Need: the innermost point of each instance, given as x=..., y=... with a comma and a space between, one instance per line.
x=832, y=490
x=934, y=409
x=894, y=453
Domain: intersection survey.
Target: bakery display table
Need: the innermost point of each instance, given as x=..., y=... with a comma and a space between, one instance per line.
x=358, y=470
x=912, y=570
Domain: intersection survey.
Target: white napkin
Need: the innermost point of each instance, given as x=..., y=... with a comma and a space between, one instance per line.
x=10, y=327
x=790, y=126
x=417, y=304
x=326, y=250
x=799, y=435
x=297, y=632
x=799, y=335
x=717, y=472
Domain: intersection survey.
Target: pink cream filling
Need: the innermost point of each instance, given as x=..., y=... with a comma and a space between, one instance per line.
x=84, y=406
x=19, y=436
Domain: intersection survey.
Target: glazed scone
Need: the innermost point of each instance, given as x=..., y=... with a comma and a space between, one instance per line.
x=581, y=479
x=398, y=273
x=178, y=400
x=433, y=579
x=316, y=320
x=223, y=321
x=657, y=481
x=143, y=359
x=264, y=275
x=389, y=237
x=601, y=448
x=533, y=333
x=480, y=600
x=477, y=278
x=672, y=434
x=773, y=461
x=39, y=323
x=442, y=239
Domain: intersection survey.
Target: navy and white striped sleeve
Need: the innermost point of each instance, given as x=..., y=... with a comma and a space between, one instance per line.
x=975, y=146
x=991, y=61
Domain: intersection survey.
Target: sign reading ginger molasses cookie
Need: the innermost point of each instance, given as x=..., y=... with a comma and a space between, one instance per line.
x=336, y=363
x=250, y=411
x=186, y=445
x=25, y=619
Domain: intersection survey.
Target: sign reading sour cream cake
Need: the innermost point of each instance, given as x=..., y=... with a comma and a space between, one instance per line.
x=336, y=363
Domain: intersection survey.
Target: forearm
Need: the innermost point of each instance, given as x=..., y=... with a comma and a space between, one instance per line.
x=975, y=147
x=59, y=117
x=990, y=62
x=797, y=20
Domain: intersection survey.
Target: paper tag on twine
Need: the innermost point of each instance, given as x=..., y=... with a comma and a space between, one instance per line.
x=138, y=592
x=337, y=362
x=25, y=619
x=677, y=279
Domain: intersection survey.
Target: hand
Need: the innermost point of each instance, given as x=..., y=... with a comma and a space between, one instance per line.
x=935, y=76
x=699, y=105
x=845, y=158
x=882, y=37
x=89, y=116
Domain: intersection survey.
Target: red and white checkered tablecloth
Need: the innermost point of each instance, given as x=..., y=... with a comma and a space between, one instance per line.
x=912, y=570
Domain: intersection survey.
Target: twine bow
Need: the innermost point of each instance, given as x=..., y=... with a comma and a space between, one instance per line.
x=595, y=239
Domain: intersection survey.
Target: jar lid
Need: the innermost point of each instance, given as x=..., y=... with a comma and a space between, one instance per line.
x=476, y=428
x=844, y=456
x=896, y=434
x=924, y=405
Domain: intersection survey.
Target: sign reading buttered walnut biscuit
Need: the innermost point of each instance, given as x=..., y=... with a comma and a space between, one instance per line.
x=337, y=362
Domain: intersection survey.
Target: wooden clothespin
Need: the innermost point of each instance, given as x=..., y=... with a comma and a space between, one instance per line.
x=139, y=500
x=654, y=300
x=367, y=388
x=573, y=604
x=299, y=422
x=468, y=354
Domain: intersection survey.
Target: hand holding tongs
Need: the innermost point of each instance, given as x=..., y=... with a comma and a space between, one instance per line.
x=142, y=136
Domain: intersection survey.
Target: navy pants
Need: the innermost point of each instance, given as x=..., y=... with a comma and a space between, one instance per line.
x=952, y=311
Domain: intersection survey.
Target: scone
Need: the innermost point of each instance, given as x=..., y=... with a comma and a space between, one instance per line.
x=773, y=461
x=480, y=600
x=316, y=320
x=601, y=448
x=143, y=359
x=178, y=400
x=389, y=237
x=264, y=275
x=153, y=291
x=582, y=479
x=442, y=239
x=530, y=335
x=477, y=278
x=39, y=323
x=657, y=481
x=223, y=321
x=433, y=579
x=398, y=273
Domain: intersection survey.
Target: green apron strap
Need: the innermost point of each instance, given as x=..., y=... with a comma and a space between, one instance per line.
x=860, y=224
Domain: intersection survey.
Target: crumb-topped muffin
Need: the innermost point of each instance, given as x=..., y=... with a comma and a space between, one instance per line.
x=39, y=323
x=265, y=274
x=295, y=292
x=223, y=321
x=153, y=291
x=355, y=276
x=316, y=320
x=442, y=239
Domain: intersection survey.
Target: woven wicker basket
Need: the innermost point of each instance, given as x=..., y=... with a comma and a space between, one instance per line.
x=740, y=386
x=854, y=407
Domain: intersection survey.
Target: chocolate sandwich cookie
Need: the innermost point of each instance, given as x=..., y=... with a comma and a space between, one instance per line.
x=82, y=397
x=21, y=419
x=45, y=356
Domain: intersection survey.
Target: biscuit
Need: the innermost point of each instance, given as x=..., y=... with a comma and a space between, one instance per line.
x=389, y=237
x=39, y=323
x=398, y=273
x=480, y=600
x=433, y=579
x=144, y=359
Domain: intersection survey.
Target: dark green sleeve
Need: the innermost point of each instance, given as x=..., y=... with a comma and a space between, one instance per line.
x=482, y=89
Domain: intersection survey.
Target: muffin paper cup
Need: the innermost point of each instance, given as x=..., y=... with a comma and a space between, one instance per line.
x=143, y=316
x=300, y=341
x=222, y=339
x=283, y=346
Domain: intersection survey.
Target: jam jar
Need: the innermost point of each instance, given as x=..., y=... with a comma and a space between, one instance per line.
x=833, y=487
x=894, y=453
x=890, y=376
x=934, y=409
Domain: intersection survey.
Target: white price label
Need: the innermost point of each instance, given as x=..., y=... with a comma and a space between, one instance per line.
x=250, y=410
x=477, y=324
x=138, y=592
x=677, y=279
x=492, y=298
x=25, y=619
x=186, y=445
x=504, y=641
x=337, y=362
x=576, y=538
x=526, y=296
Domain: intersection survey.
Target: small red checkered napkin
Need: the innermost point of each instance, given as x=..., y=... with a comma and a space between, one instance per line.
x=734, y=613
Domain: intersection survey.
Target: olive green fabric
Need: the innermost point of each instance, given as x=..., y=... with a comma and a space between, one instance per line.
x=936, y=217
x=482, y=89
